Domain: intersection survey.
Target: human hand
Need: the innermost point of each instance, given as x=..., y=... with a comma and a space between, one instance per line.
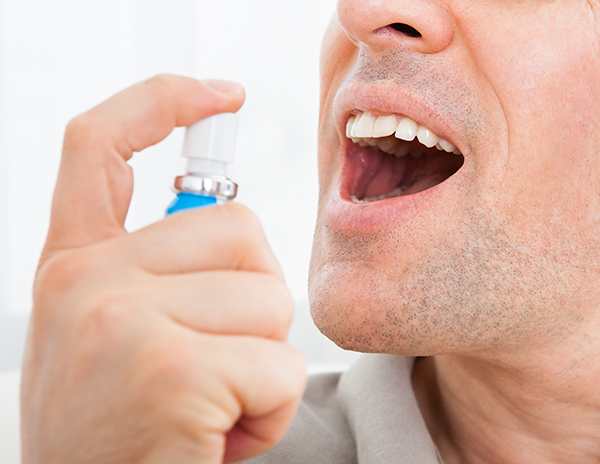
x=164, y=345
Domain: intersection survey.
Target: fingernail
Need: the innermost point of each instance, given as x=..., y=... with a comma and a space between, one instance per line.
x=223, y=86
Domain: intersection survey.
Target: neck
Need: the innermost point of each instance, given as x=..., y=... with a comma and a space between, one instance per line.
x=530, y=411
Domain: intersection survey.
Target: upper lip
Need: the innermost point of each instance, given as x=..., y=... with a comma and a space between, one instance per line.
x=383, y=100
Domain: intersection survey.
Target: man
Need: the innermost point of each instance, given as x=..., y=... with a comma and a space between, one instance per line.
x=482, y=255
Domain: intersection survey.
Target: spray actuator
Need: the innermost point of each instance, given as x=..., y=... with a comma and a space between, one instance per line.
x=209, y=146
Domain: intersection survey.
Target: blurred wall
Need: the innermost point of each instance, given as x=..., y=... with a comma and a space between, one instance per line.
x=61, y=57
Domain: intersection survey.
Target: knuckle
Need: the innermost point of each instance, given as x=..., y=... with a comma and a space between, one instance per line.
x=298, y=367
x=282, y=365
x=164, y=366
x=61, y=271
x=58, y=290
x=116, y=327
x=284, y=311
x=161, y=85
x=242, y=219
x=69, y=284
x=294, y=374
x=79, y=131
x=160, y=79
x=108, y=314
x=111, y=305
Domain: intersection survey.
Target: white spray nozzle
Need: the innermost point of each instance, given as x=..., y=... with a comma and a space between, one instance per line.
x=209, y=144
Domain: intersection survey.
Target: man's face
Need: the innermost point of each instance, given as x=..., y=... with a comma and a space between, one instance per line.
x=482, y=250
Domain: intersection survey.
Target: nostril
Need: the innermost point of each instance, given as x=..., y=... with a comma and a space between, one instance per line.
x=406, y=29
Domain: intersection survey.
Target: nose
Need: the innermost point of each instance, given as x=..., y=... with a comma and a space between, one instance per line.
x=424, y=26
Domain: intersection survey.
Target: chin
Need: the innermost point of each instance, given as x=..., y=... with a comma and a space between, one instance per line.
x=359, y=309
x=432, y=301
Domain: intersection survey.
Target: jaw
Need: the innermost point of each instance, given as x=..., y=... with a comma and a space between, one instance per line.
x=459, y=268
x=367, y=288
x=456, y=267
x=423, y=294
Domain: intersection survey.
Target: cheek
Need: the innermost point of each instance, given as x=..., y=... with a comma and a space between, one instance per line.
x=546, y=77
x=338, y=56
x=543, y=72
x=553, y=174
x=329, y=146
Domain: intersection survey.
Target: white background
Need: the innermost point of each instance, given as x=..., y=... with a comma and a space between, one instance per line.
x=61, y=57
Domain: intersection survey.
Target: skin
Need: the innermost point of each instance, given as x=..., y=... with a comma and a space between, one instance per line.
x=495, y=272
x=152, y=347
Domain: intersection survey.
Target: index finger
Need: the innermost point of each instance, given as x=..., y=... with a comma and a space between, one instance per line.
x=95, y=183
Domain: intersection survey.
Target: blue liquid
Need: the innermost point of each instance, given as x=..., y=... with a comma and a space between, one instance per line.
x=185, y=201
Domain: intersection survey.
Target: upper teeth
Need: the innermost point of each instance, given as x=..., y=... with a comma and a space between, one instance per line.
x=388, y=132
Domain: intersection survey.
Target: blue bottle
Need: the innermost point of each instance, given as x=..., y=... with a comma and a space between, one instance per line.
x=209, y=146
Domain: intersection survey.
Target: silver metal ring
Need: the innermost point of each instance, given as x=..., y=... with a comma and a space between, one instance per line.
x=211, y=184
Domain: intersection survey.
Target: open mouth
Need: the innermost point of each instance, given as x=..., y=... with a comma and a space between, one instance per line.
x=393, y=156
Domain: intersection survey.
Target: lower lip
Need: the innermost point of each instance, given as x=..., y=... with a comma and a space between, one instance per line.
x=343, y=214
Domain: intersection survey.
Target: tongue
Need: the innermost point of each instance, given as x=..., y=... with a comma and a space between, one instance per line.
x=427, y=182
x=380, y=174
x=382, y=183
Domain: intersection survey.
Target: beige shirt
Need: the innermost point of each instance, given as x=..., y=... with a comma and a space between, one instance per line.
x=367, y=415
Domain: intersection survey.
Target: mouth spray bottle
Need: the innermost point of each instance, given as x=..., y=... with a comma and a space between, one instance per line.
x=209, y=146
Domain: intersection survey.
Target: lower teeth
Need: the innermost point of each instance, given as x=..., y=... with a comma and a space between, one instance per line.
x=394, y=193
